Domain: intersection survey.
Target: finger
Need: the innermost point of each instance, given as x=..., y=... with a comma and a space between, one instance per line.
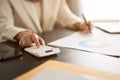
x=90, y=25
x=79, y=26
x=33, y=44
x=41, y=41
x=21, y=43
x=35, y=40
x=29, y=41
x=85, y=31
x=26, y=43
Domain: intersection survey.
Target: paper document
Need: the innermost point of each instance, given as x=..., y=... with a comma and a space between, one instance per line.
x=55, y=74
x=102, y=44
x=110, y=27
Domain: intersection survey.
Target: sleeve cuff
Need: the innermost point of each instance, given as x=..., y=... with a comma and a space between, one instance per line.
x=11, y=32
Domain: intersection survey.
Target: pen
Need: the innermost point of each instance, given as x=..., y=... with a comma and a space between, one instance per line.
x=86, y=22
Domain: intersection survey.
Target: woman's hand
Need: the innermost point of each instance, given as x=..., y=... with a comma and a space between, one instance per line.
x=83, y=27
x=29, y=39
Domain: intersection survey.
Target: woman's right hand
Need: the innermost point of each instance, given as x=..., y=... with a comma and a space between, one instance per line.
x=29, y=39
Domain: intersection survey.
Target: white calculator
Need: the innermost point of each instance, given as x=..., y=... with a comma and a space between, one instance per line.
x=42, y=51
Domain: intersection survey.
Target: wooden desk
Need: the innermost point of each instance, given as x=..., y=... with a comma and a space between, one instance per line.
x=13, y=68
x=78, y=70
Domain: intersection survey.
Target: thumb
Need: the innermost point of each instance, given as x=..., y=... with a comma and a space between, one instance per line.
x=91, y=25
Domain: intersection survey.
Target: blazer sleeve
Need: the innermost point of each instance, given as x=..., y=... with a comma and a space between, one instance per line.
x=7, y=28
x=65, y=16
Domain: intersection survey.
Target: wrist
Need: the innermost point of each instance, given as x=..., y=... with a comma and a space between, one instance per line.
x=21, y=34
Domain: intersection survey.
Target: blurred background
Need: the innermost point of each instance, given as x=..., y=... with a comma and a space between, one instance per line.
x=97, y=10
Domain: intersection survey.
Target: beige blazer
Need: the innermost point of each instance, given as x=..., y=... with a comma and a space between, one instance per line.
x=19, y=15
x=75, y=6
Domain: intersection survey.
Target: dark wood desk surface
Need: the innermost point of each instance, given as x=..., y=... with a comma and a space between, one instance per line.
x=15, y=67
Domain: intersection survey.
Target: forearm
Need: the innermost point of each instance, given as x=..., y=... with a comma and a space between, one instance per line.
x=65, y=16
x=8, y=32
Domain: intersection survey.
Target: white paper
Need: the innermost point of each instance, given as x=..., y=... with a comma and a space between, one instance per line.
x=112, y=27
x=54, y=74
x=102, y=43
